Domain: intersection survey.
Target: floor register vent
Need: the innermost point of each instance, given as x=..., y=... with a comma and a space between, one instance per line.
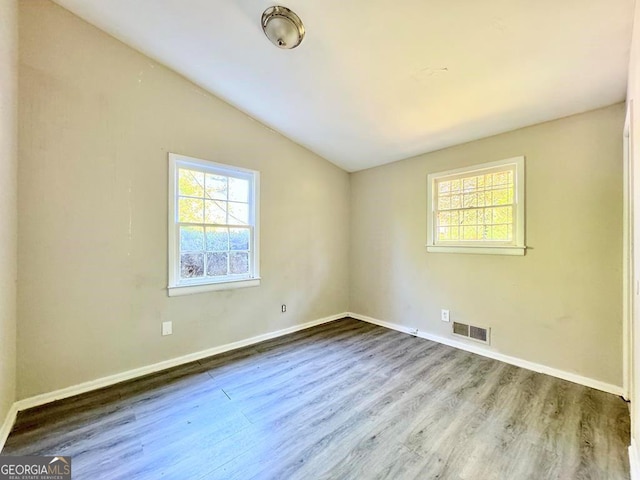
x=478, y=334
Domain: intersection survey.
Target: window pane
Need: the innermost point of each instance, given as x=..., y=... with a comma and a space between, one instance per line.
x=501, y=197
x=500, y=232
x=238, y=214
x=486, y=216
x=470, y=217
x=502, y=215
x=456, y=186
x=191, y=239
x=444, y=218
x=192, y=265
x=444, y=233
x=500, y=178
x=216, y=187
x=469, y=184
x=217, y=239
x=239, y=262
x=191, y=210
x=469, y=233
x=488, y=181
x=191, y=182
x=470, y=200
x=239, y=239
x=215, y=212
x=444, y=203
x=456, y=201
x=217, y=264
x=238, y=189
x=444, y=187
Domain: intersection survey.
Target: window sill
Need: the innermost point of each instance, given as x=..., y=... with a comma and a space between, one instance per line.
x=485, y=250
x=212, y=287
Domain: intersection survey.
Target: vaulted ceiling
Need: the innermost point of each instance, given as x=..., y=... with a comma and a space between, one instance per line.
x=377, y=81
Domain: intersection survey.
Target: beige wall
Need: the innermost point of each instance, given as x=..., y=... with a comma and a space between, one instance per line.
x=96, y=122
x=8, y=201
x=560, y=305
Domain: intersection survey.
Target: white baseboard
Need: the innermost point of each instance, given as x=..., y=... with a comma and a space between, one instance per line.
x=518, y=362
x=85, y=387
x=7, y=425
x=634, y=461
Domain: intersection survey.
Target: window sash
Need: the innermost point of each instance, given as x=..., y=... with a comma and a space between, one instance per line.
x=206, y=279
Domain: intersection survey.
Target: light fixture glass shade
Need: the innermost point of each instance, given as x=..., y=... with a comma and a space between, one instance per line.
x=283, y=27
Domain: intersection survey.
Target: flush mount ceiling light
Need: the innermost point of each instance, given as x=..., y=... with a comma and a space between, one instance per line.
x=283, y=27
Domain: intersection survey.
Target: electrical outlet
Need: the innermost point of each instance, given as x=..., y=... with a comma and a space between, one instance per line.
x=284, y=308
x=444, y=315
x=167, y=328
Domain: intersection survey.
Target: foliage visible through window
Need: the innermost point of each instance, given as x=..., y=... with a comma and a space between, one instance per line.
x=478, y=206
x=214, y=224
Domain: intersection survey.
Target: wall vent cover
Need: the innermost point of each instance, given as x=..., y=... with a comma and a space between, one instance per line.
x=461, y=329
x=479, y=334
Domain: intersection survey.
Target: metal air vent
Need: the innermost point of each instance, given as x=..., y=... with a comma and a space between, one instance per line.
x=479, y=334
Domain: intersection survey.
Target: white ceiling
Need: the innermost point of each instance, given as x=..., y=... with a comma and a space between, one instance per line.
x=377, y=81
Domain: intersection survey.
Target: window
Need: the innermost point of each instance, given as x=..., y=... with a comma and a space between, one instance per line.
x=213, y=226
x=477, y=209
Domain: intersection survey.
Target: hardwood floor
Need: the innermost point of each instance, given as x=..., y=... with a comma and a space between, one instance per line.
x=345, y=400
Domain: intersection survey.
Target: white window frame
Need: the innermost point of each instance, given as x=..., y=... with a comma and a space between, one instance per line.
x=515, y=247
x=186, y=287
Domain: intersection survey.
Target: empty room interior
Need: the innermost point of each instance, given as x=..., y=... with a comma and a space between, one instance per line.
x=320, y=240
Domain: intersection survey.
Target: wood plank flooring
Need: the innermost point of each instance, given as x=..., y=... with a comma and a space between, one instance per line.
x=345, y=400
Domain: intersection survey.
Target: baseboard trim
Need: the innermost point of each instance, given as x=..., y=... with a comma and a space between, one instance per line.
x=518, y=362
x=634, y=461
x=7, y=425
x=89, y=386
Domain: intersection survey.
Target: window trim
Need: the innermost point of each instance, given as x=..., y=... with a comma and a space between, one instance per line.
x=175, y=287
x=517, y=247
